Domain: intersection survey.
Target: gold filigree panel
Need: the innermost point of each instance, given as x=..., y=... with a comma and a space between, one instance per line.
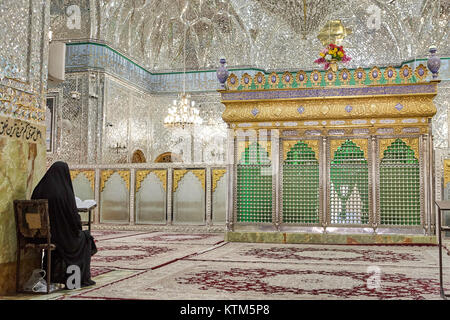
x=74, y=174
x=382, y=146
x=363, y=144
x=89, y=174
x=288, y=144
x=414, y=144
x=125, y=174
x=142, y=174
x=446, y=172
x=411, y=142
x=217, y=174
x=106, y=174
x=201, y=175
x=334, y=145
x=162, y=176
x=179, y=174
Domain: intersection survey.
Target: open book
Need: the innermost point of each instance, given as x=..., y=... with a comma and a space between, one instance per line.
x=86, y=204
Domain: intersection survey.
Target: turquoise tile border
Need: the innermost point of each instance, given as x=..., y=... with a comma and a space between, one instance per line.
x=82, y=56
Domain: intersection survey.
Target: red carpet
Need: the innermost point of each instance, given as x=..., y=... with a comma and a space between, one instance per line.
x=158, y=265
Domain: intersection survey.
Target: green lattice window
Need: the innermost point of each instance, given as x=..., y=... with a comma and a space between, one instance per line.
x=254, y=185
x=349, y=194
x=399, y=185
x=301, y=185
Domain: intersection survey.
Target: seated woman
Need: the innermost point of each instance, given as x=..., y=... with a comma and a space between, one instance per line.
x=73, y=245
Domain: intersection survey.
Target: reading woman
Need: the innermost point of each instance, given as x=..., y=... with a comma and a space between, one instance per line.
x=73, y=245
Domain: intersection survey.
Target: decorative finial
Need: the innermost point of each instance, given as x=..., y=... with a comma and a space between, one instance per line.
x=222, y=73
x=333, y=32
x=434, y=62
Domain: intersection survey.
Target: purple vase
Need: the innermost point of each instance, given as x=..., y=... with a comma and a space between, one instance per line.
x=434, y=62
x=222, y=73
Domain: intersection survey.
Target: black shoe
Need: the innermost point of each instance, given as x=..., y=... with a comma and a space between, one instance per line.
x=90, y=282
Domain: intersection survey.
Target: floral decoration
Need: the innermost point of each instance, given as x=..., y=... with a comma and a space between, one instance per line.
x=332, y=53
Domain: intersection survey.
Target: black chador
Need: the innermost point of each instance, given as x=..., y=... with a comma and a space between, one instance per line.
x=73, y=245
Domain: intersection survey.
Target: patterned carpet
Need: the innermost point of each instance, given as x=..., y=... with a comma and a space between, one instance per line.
x=176, y=266
x=143, y=251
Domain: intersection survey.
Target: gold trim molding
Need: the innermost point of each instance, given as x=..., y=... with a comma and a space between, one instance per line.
x=361, y=108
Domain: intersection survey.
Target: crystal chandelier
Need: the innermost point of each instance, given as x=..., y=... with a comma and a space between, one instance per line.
x=183, y=113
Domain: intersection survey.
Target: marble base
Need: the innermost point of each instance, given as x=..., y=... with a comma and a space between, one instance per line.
x=321, y=238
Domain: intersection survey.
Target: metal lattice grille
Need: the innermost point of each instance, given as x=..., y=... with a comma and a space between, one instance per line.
x=301, y=185
x=399, y=186
x=254, y=186
x=349, y=194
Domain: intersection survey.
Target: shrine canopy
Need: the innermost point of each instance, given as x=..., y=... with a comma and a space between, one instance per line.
x=373, y=98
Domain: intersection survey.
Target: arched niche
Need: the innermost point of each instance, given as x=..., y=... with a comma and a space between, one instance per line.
x=151, y=197
x=138, y=157
x=114, y=197
x=189, y=206
x=168, y=157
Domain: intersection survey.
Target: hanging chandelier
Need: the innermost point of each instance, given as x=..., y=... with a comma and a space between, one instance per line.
x=183, y=113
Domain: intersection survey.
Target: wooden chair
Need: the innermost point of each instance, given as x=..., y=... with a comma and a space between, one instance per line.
x=33, y=232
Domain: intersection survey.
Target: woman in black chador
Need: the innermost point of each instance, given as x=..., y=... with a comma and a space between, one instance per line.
x=73, y=245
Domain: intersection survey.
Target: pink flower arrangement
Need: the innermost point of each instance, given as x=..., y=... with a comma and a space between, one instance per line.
x=330, y=53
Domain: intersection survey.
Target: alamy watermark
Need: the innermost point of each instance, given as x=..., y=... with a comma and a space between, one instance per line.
x=374, y=21
x=73, y=17
x=374, y=281
x=74, y=280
